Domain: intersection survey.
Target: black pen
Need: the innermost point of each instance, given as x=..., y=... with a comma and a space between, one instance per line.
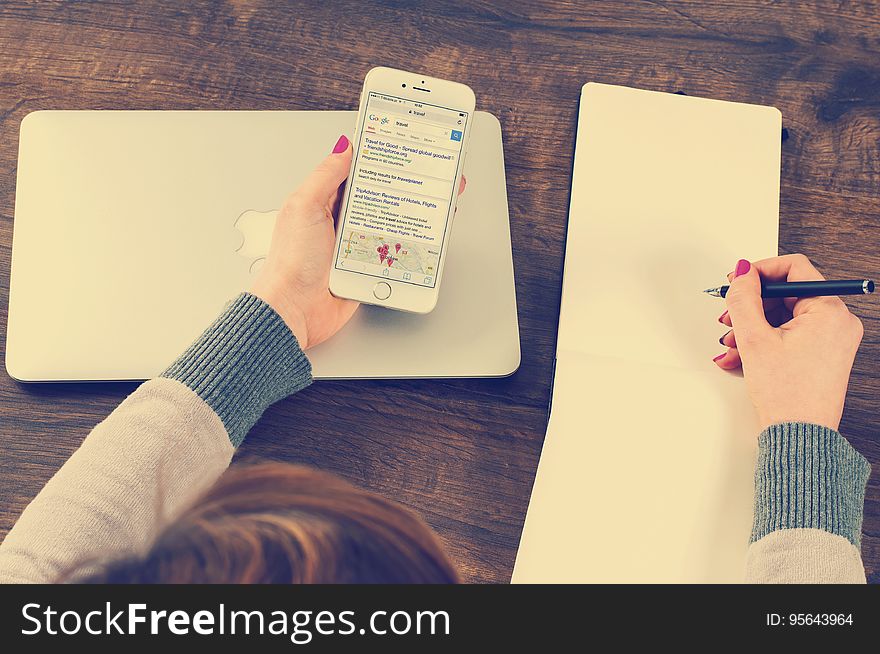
x=807, y=289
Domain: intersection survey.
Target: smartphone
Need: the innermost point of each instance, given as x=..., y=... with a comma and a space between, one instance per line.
x=396, y=214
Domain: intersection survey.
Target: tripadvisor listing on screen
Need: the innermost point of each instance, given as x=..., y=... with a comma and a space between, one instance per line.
x=402, y=187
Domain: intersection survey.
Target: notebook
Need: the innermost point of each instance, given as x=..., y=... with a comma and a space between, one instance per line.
x=646, y=473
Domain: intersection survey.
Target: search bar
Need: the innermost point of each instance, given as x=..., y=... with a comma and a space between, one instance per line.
x=418, y=127
x=415, y=112
x=404, y=127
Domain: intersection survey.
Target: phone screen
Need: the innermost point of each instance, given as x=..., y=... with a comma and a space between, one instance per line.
x=402, y=188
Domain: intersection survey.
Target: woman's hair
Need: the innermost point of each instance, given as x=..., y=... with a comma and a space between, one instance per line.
x=279, y=523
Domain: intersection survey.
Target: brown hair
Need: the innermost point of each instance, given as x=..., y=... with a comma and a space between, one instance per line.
x=279, y=523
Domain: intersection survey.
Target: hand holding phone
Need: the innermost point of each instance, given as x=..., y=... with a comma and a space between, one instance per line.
x=396, y=213
x=294, y=279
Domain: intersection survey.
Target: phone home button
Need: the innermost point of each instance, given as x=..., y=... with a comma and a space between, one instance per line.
x=382, y=290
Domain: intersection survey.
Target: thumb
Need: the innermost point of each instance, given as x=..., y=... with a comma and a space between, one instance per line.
x=744, y=303
x=325, y=179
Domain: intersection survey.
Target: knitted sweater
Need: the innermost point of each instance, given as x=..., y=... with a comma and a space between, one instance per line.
x=174, y=436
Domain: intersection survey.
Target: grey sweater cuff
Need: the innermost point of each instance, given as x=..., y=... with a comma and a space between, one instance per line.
x=244, y=361
x=810, y=477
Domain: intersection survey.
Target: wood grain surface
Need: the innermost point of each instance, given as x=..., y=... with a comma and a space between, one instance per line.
x=463, y=453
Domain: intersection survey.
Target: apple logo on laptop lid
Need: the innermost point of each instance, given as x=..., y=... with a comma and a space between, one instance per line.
x=255, y=228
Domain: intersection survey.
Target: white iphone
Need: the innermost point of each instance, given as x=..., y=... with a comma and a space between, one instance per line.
x=396, y=214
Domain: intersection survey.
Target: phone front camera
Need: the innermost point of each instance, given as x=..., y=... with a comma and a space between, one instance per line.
x=403, y=86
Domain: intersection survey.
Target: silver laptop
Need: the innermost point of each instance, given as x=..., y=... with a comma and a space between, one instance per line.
x=134, y=229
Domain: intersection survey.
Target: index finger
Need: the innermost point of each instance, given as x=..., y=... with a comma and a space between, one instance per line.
x=787, y=268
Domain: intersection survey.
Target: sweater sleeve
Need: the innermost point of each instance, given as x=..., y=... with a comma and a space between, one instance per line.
x=160, y=449
x=809, y=500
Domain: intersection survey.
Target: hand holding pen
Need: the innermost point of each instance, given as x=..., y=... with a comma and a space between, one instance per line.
x=796, y=353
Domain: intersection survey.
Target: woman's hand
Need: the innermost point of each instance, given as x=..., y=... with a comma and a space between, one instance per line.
x=295, y=279
x=796, y=355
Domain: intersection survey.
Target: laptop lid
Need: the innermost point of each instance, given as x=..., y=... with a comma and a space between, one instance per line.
x=133, y=229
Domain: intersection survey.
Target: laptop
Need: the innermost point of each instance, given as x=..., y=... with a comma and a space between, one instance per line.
x=134, y=229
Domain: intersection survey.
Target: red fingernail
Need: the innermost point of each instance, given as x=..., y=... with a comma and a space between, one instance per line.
x=721, y=340
x=742, y=267
x=341, y=145
x=720, y=356
x=722, y=317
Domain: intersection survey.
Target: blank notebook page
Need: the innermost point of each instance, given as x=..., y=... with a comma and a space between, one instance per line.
x=647, y=469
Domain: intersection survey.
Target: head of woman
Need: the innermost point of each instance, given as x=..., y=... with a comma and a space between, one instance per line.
x=279, y=523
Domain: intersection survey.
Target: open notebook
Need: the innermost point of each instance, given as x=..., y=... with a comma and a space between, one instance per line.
x=647, y=469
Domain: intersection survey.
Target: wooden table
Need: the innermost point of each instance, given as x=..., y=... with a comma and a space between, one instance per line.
x=462, y=453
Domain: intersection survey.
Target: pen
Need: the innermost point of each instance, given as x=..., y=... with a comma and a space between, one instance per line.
x=806, y=289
